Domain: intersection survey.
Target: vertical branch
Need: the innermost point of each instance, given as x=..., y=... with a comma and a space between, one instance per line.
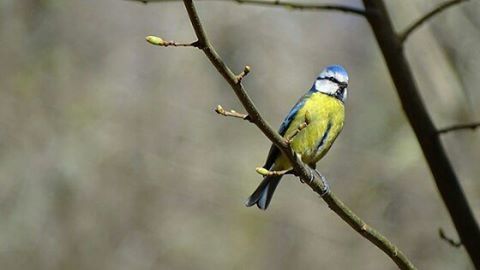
x=425, y=131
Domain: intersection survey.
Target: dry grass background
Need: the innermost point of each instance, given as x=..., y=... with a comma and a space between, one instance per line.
x=111, y=156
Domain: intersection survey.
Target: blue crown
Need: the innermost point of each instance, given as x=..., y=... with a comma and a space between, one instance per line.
x=335, y=71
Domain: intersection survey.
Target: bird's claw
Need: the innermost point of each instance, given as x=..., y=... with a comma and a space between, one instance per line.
x=326, y=187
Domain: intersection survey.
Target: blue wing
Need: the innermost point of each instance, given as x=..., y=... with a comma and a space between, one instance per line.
x=291, y=115
x=274, y=151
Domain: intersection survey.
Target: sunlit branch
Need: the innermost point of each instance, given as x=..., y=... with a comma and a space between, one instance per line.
x=244, y=73
x=300, y=127
x=220, y=110
x=154, y=40
x=265, y=172
x=314, y=180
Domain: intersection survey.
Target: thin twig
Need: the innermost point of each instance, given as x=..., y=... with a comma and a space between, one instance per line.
x=449, y=240
x=471, y=126
x=284, y=4
x=265, y=172
x=299, y=167
x=220, y=110
x=305, y=6
x=154, y=40
x=406, y=33
x=300, y=127
x=244, y=73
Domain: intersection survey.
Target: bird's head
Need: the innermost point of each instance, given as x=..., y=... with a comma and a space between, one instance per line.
x=333, y=81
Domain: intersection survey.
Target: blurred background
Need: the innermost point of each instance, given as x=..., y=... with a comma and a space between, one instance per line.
x=111, y=156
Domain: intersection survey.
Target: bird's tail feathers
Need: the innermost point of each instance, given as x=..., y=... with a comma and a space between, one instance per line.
x=264, y=192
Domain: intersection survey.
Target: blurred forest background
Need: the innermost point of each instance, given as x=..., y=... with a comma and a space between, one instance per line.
x=111, y=156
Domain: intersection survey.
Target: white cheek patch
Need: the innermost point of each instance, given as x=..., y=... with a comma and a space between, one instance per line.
x=342, y=78
x=326, y=86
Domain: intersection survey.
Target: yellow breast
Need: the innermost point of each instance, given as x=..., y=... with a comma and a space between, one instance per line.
x=327, y=115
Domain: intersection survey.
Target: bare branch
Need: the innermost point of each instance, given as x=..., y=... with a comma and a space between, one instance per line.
x=220, y=110
x=406, y=33
x=471, y=126
x=450, y=241
x=305, y=174
x=284, y=4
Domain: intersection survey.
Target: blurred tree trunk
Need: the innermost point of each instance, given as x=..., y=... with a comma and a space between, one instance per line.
x=447, y=182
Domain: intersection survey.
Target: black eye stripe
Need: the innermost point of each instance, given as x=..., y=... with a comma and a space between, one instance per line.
x=332, y=79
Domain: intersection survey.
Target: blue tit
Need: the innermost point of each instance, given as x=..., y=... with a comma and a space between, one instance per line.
x=324, y=106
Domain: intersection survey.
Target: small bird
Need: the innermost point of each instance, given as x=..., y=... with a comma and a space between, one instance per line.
x=323, y=108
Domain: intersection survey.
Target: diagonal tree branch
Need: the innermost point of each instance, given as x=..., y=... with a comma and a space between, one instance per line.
x=471, y=126
x=406, y=33
x=446, y=180
x=444, y=175
x=284, y=4
x=313, y=180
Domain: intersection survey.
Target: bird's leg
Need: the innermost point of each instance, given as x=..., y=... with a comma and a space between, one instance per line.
x=326, y=186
